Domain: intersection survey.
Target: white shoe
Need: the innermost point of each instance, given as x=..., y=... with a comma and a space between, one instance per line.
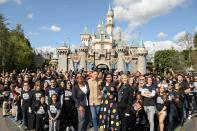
x=72, y=128
x=67, y=128
x=189, y=117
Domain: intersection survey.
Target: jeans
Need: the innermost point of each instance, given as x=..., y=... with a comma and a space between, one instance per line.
x=95, y=112
x=54, y=125
x=83, y=119
x=150, y=111
x=25, y=115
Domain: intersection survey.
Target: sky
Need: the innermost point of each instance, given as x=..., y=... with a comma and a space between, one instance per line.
x=54, y=22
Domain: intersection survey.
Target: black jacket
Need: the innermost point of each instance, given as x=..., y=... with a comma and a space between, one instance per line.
x=126, y=100
x=79, y=96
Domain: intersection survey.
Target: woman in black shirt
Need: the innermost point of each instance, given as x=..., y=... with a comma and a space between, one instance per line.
x=161, y=99
x=54, y=110
x=41, y=114
x=37, y=92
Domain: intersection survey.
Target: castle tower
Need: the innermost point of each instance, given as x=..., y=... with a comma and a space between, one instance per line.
x=83, y=60
x=85, y=37
x=141, y=53
x=110, y=21
x=63, y=57
x=121, y=63
x=54, y=60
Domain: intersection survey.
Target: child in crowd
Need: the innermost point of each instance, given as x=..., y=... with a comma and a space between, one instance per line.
x=54, y=110
x=41, y=114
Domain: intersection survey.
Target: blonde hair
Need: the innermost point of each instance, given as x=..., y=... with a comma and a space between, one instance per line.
x=36, y=84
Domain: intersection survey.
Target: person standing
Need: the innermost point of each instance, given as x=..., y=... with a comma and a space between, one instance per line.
x=81, y=93
x=41, y=114
x=161, y=104
x=69, y=111
x=125, y=101
x=109, y=118
x=53, y=89
x=25, y=103
x=95, y=86
x=148, y=94
x=54, y=110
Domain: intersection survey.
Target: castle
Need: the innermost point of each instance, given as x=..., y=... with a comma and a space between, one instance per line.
x=101, y=50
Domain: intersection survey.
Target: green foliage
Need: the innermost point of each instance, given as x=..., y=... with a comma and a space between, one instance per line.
x=185, y=54
x=15, y=49
x=195, y=40
x=167, y=59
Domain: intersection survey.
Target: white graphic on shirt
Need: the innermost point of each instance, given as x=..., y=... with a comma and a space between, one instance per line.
x=68, y=93
x=51, y=92
x=25, y=96
x=38, y=96
x=41, y=110
x=160, y=100
x=53, y=109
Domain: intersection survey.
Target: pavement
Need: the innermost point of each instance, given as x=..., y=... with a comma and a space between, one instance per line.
x=7, y=124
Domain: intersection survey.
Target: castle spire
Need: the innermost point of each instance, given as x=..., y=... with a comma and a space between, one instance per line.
x=110, y=7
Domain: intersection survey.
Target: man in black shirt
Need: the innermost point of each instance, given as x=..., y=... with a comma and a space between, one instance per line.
x=148, y=93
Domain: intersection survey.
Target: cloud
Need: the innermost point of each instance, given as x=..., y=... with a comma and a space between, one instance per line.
x=18, y=2
x=44, y=49
x=153, y=46
x=3, y=1
x=180, y=35
x=32, y=33
x=43, y=28
x=55, y=28
x=161, y=35
x=195, y=29
x=139, y=12
x=52, y=28
x=30, y=15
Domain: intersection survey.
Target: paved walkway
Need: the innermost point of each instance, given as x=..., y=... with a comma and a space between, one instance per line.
x=6, y=124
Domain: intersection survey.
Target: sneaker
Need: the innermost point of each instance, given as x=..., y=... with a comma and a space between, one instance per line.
x=189, y=117
x=72, y=128
x=67, y=128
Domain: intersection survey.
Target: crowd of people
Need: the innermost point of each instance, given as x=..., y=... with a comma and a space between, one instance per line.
x=102, y=100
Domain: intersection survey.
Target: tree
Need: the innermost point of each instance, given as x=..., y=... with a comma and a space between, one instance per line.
x=187, y=41
x=15, y=50
x=167, y=59
x=23, y=51
x=4, y=36
x=195, y=40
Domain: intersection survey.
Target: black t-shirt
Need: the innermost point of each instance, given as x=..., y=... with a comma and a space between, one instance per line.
x=160, y=103
x=42, y=109
x=149, y=101
x=37, y=94
x=54, y=108
x=25, y=96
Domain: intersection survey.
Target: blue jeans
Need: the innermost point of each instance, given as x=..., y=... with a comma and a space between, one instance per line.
x=25, y=115
x=83, y=119
x=95, y=112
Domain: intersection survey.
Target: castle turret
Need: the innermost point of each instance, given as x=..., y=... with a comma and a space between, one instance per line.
x=63, y=57
x=54, y=59
x=121, y=63
x=110, y=21
x=85, y=37
x=141, y=53
x=83, y=60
